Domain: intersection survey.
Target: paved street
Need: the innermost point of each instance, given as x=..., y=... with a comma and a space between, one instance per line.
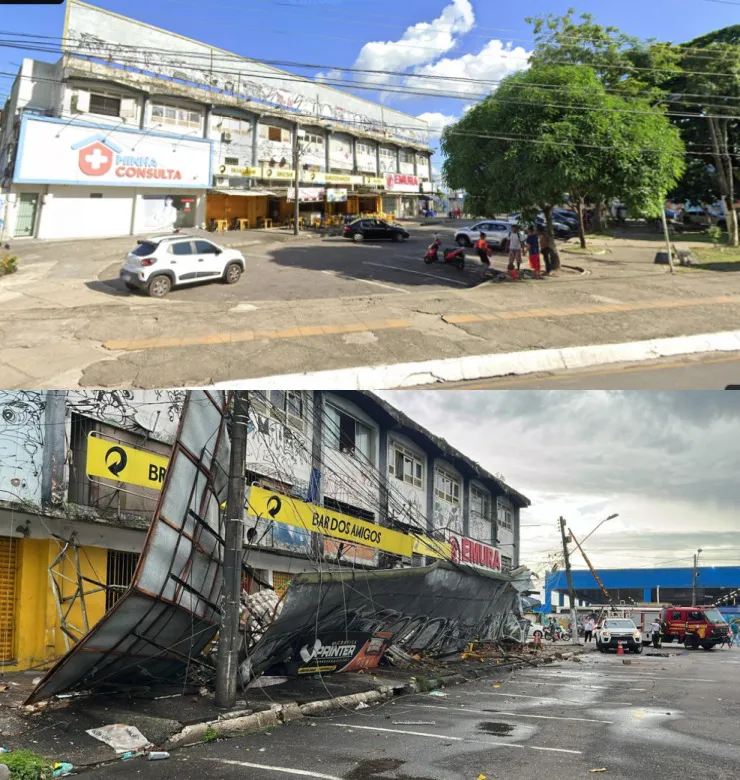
x=316, y=304
x=698, y=372
x=662, y=718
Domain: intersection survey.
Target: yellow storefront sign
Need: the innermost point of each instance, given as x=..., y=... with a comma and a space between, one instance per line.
x=112, y=460
x=432, y=548
x=309, y=517
x=374, y=181
x=277, y=173
x=235, y=170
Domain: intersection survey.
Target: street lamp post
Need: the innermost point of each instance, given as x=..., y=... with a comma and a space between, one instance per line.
x=695, y=577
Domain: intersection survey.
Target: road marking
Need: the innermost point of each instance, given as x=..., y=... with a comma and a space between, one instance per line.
x=418, y=273
x=455, y=739
x=513, y=714
x=269, y=767
x=568, y=685
x=340, y=275
x=628, y=676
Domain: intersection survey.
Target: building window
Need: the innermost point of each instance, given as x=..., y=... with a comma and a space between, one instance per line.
x=179, y=117
x=346, y=434
x=233, y=125
x=231, y=160
x=505, y=563
x=406, y=157
x=480, y=504
x=287, y=406
x=365, y=149
x=311, y=138
x=96, y=194
x=387, y=152
x=277, y=134
x=120, y=571
x=405, y=465
x=104, y=105
x=504, y=518
x=446, y=486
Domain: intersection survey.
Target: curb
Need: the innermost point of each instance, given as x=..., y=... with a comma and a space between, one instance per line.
x=398, y=375
x=279, y=714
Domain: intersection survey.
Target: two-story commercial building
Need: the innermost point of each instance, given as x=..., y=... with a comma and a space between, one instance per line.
x=137, y=129
x=71, y=536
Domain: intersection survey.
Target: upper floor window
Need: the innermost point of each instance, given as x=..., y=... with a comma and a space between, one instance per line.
x=365, y=149
x=480, y=503
x=387, y=152
x=179, y=117
x=278, y=134
x=232, y=125
x=347, y=434
x=446, y=486
x=505, y=518
x=406, y=465
x=287, y=406
x=104, y=105
x=312, y=138
x=406, y=157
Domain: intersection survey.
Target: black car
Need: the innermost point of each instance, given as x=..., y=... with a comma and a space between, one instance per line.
x=372, y=229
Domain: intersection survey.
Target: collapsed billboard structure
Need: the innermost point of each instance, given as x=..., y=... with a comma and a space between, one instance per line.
x=170, y=611
x=344, y=621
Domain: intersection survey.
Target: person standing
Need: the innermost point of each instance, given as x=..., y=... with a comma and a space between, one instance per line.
x=515, y=248
x=734, y=630
x=656, y=629
x=545, y=249
x=533, y=250
x=481, y=247
x=588, y=630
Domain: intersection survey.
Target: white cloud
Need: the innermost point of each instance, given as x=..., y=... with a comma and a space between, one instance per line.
x=437, y=121
x=420, y=44
x=494, y=61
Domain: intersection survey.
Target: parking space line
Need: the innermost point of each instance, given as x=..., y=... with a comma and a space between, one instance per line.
x=569, y=685
x=271, y=768
x=513, y=714
x=418, y=273
x=341, y=275
x=457, y=739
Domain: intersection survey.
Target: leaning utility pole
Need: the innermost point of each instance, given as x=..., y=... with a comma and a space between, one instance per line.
x=228, y=635
x=571, y=591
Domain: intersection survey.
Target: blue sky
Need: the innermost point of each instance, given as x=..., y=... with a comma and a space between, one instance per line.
x=481, y=39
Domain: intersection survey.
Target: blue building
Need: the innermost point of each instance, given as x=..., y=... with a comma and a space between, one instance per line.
x=645, y=586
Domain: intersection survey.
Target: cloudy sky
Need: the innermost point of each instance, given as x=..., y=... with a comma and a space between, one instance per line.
x=668, y=463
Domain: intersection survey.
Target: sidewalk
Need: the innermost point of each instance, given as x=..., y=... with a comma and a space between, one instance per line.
x=170, y=718
x=73, y=336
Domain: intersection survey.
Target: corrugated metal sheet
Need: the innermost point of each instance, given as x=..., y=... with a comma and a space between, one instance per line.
x=8, y=576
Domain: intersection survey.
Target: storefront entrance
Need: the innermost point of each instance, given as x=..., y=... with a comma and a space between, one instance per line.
x=25, y=222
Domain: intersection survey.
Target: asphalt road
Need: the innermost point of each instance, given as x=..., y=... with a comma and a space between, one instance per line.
x=659, y=718
x=699, y=372
x=331, y=268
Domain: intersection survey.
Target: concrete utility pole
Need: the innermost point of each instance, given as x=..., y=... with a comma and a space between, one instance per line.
x=571, y=591
x=228, y=636
x=667, y=236
x=694, y=577
x=298, y=133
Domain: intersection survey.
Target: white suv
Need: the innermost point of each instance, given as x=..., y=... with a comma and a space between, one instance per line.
x=497, y=233
x=160, y=262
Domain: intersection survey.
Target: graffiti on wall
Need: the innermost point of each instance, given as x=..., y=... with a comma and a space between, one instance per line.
x=155, y=411
x=447, y=516
x=93, y=33
x=21, y=445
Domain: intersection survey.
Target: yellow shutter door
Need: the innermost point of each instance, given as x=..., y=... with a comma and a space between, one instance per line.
x=8, y=566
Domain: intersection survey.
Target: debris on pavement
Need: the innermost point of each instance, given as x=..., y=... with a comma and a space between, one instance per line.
x=414, y=722
x=437, y=693
x=158, y=755
x=61, y=769
x=362, y=706
x=120, y=737
x=603, y=769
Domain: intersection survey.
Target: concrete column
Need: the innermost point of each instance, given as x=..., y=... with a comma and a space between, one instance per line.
x=398, y=159
x=377, y=159
x=385, y=560
x=254, y=140
x=465, y=506
x=515, y=549
x=315, y=486
x=354, y=156
x=327, y=158
x=144, y=107
x=430, y=494
x=53, y=481
x=647, y=595
x=207, y=122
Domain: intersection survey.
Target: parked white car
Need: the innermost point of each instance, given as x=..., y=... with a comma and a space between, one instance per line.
x=612, y=632
x=160, y=262
x=497, y=233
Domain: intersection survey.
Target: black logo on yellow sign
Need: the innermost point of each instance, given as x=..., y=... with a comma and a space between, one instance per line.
x=116, y=460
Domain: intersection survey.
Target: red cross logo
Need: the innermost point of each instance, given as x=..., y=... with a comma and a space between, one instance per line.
x=95, y=159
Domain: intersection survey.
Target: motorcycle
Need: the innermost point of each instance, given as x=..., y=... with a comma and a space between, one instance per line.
x=454, y=256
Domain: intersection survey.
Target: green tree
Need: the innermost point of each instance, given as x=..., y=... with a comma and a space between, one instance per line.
x=552, y=134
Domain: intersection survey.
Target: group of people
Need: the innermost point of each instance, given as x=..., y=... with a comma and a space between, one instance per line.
x=535, y=246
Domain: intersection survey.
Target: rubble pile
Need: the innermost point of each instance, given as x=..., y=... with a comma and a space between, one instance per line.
x=258, y=612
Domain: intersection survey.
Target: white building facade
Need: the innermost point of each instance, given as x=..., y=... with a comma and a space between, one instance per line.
x=173, y=142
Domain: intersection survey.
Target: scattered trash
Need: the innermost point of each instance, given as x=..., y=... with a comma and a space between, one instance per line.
x=603, y=769
x=626, y=661
x=262, y=750
x=496, y=686
x=437, y=693
x=169, y=696
x=203, y=691
x=158, y=755
x=362, y=706
x=120, y=737
x=3, y=750
x=4, y=686
x=481, y=777
x=132, y=754
x=36, y=680
x=414, y=722
x=265, y=682
x=61, y=769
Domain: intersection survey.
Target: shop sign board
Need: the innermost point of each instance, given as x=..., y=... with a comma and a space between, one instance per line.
x=374, y=181
x=248, y=171
x=470, y=552
x=277, y=173
x=113, y=460
x=344, y=651
x=285, y=509
x=402, y=182
x=54, y=151
x=336, y=196
x=307, y=194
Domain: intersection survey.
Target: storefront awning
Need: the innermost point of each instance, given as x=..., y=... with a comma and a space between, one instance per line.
x=246, y=193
